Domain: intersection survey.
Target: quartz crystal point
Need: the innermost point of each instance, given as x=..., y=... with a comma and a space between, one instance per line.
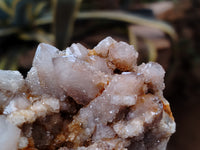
x=82, y=99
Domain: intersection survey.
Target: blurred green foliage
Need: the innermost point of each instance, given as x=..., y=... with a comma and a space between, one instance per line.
x=54, y=22
x=21, y=13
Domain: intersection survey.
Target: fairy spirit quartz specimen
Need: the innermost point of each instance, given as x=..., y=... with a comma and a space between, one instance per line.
x=82, y=99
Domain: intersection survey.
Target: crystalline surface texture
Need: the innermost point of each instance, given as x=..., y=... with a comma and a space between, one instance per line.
x=81, y=99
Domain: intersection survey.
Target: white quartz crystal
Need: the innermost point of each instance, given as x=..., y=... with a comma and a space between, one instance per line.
x=10, y=83
x=130, y=129
x=39, y=109
x=11, y=80
x=16, y=103
x=154, y=74
x=9, y=135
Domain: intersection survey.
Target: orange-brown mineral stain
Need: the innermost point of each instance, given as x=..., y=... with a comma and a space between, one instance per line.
x=122, y=66
x=60, y=138
x=31, y=145
x=75, y=129
x=92, y=52
x=101, y=88
x=167, y=109
x=58, y=141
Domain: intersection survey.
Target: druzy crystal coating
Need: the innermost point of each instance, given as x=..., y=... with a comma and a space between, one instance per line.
x=85, y=99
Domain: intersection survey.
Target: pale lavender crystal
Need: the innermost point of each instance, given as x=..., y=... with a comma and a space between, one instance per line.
x=44, y=72
x=123, y=56
x=81, y=82
x=153, y=74
x=103, y=47
x=77, y=51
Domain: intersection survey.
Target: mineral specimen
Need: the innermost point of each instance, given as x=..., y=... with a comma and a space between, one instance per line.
x=85, y=99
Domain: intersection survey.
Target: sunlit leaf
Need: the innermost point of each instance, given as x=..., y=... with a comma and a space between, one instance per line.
x=5, y=8
x=151, y=49
x=129, y=18
x=39, y=7
x=47, y=19
x=132, y=38
x=19, y=8
x=120, y=16
x=38, y=35
x=15, y=3
x=29, y=15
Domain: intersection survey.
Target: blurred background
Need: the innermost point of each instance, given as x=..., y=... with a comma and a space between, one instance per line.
x=167, y=32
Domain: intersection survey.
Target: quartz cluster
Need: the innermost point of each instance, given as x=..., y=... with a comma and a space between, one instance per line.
x=85, y=99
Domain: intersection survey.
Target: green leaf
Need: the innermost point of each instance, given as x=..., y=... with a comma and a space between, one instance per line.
x=151, y=49
x=47, y=19
x=9, y=60
x=65, y=12
x=8, y=31
x=119, y=16
x=38, y=35
x=132, y=38
x=129, y=18
x=6, y=8
x=2, y=63
x=38, y=8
